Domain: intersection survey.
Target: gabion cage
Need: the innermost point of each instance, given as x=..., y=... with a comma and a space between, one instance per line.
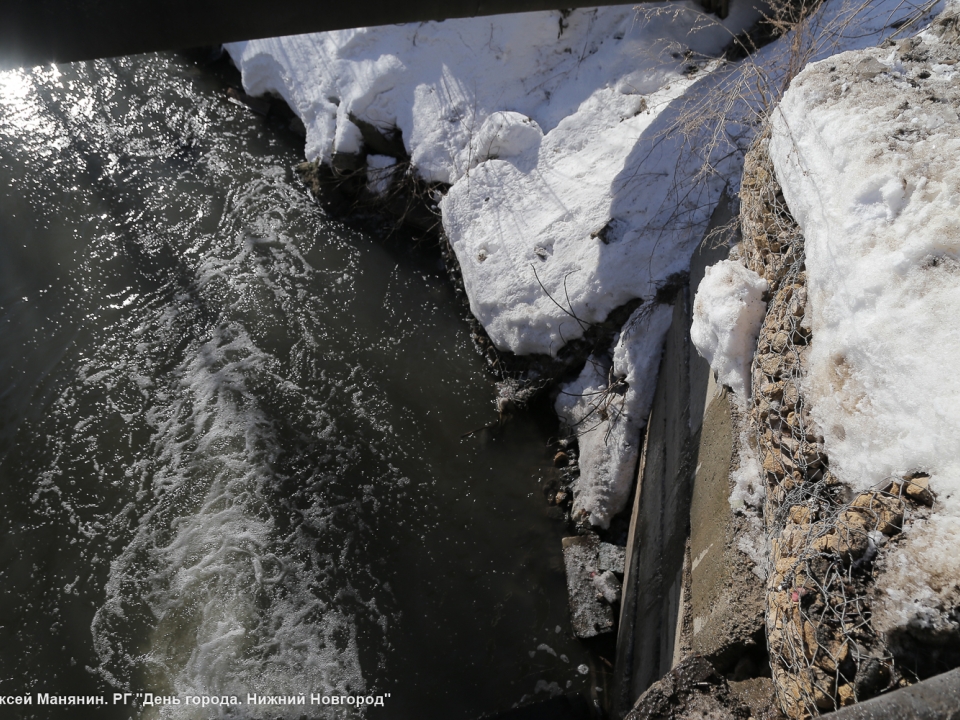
x=824, y=652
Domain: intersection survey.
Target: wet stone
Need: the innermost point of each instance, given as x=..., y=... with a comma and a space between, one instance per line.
x=590, y=616
x=693, y=689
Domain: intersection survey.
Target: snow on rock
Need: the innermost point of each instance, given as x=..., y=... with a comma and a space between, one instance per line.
x=748, y=491
x=607, y=406
x=865, y=147
x=505, y=136
x=568, y=196
x=607, y=586
x=919, y=581
x=727, y=314
x=348, y=138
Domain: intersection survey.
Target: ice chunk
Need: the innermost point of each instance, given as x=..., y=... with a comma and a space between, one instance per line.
x=727, y=315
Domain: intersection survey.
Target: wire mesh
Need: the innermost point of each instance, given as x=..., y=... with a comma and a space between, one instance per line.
x=824, y=652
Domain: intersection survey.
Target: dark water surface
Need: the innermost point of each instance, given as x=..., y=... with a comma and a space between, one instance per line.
x=230, y=429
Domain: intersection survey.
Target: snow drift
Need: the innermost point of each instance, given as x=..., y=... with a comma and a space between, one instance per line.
x=568, y=197
x=865, y=147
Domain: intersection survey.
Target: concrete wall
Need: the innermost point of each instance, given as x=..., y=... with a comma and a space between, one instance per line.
x=687, y=589
x=651, y=617
x=726, y=596
x=658, y=528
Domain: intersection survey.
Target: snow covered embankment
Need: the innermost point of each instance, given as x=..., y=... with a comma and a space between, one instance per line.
x=865, y=147
x=550, y=129
x=607, y=406
x=568, y=198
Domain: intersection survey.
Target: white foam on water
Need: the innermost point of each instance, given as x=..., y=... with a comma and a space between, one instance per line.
x=228, y=606
x=229, y=614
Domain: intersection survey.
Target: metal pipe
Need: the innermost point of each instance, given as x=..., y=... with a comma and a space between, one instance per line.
x=937, y=698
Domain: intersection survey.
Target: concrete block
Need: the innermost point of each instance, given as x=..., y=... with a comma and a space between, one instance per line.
x=727, y=598
x=659, y=528
x=612, y=558
x=581, y=559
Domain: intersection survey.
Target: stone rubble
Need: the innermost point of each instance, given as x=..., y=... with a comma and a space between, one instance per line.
x=693, y=690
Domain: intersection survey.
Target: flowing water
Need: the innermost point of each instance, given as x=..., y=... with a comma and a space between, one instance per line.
x=230, y=430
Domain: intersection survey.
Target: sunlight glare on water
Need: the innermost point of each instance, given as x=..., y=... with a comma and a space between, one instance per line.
x=230, y=439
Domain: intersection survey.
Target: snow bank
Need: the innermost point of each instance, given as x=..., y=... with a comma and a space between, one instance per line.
x=572, y=193
x=727, y=314
x=607, y=406
x=550, y=127
x=441, y=83
x=865, y=147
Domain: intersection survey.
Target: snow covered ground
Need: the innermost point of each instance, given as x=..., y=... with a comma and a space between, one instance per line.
x=574, y=144
x=865, y=146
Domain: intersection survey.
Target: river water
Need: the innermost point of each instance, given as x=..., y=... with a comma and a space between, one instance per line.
x=230, y=430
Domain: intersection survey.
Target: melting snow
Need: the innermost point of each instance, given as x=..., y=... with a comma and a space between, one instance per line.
x=865, y=147
x=727, y=315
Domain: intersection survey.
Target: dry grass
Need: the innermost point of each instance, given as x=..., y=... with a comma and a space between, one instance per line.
x=717, y=121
